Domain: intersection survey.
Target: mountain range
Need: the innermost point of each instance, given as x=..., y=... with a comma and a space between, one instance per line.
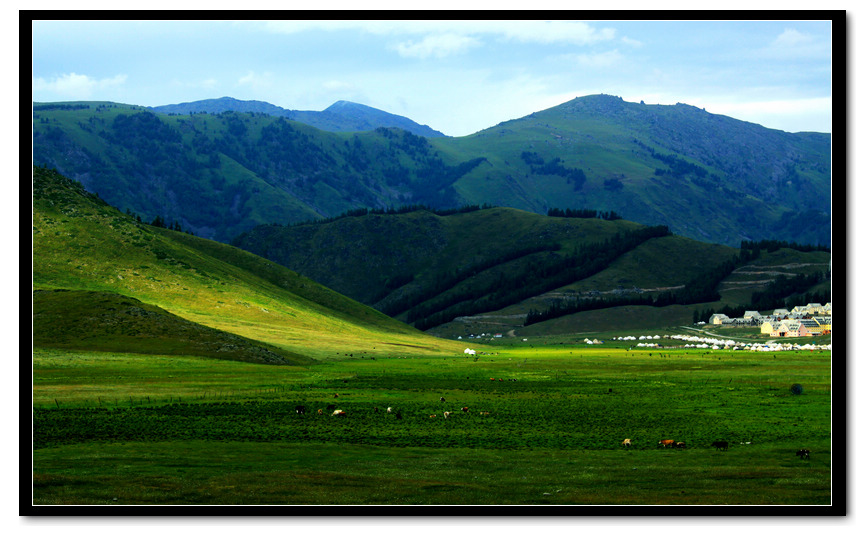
x=341, y=116
x=219, y=174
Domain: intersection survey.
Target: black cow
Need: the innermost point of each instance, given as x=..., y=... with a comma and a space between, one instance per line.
x=680, y=444
x=720, y=445
x=804, y=454
x=300, y=409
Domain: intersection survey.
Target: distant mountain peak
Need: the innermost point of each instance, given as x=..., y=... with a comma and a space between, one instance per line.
x=341, y=116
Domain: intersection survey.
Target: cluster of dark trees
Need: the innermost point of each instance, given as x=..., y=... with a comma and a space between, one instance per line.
x=53, y=106
x=538, y=166
x=160, y=222
x=783, y=292
x=700, y=289
x=679, y=168
x=444, y=281
x=774, y=296
x=542, y=274
x=583, y=213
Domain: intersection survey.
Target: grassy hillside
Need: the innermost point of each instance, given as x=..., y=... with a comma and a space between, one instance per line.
x=705, y=176
x=484, y=270
x=109, y=322
x=81, y=243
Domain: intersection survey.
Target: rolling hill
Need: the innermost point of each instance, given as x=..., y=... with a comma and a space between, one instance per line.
x=101, y=280
x=479, y=270
x=705, y=176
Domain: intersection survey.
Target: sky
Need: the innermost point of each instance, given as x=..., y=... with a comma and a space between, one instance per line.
x=458, y=76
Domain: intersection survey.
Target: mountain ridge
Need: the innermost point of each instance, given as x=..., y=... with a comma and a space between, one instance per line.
x=341, y=116
x=708, y=177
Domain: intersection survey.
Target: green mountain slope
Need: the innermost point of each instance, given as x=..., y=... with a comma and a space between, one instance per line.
x=80, y=243
x=452, y=273
x=705, y=176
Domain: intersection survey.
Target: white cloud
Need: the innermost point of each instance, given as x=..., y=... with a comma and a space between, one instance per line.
x=790, y=37
x=438, y=46
x=535, y=31
x=792, y=43
x=631, y=42
x=573, y=32
x=76, y=86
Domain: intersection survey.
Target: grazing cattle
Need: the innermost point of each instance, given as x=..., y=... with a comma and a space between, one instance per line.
x=398, y=415
x=339, y=413
x=483, y=413
x=680, y=444
x=446, y=414
x=300, y=409
x=442, y=399
x=330, y=407
x=666, y=443
x=626, y=443
x=389, y=410
x=375, y=410
x=804, y=454
x=320, y=412
x=720, y=445
x=465, y=409
x=336, y=395
x=432, y=416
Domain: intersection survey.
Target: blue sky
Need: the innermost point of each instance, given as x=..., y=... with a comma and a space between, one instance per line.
x=455, y=76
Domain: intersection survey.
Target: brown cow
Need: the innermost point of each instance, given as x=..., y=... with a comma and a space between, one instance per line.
x=320, y=412
x=626, y=443
x=667, y=443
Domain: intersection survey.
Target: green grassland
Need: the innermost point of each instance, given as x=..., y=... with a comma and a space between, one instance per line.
x=134, y=429
x=167, y=368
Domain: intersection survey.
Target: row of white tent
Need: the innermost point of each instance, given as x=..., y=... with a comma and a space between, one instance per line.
x=725, y=344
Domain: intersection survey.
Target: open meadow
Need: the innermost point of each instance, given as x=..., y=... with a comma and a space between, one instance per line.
x=544, y=424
